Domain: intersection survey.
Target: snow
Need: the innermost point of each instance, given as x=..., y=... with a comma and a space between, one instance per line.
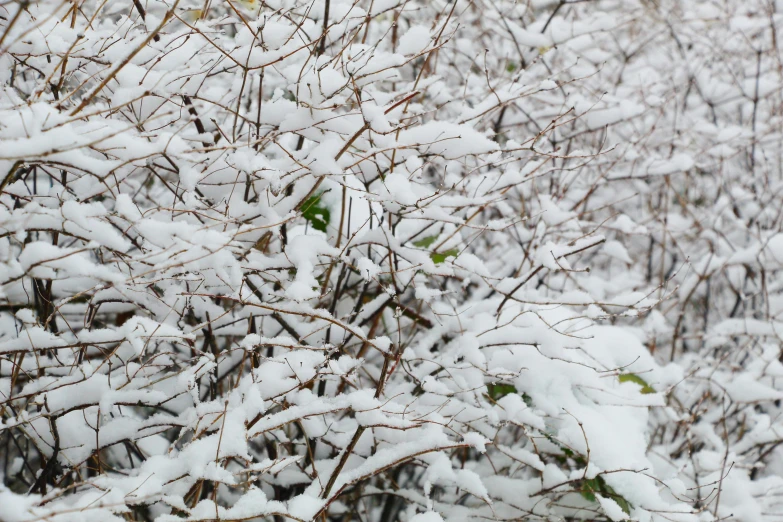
x=544, y=281
x=678, y=163
x=430, y=516
x=415, y=40
x=611, y=508
x=616, y=250
x=17, y=508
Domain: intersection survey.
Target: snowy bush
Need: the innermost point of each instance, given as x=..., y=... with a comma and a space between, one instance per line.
x=389, y=260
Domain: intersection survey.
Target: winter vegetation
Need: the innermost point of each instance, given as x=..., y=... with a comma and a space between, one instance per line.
x=391, y=260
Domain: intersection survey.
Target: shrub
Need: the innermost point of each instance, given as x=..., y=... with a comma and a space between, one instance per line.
x=388, y=260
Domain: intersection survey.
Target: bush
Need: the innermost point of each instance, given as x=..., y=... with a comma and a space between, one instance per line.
x=389, y=260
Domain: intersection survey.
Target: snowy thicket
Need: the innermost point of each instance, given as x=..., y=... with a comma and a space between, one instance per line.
x=384, y=260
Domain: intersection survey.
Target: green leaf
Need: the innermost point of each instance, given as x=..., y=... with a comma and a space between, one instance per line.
x=496, y=391
x=624, y=504
x=425, y=241
x=632, y=377
x=439, y=257
x=590, y=487
x=316, y=214
x=608, y=491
